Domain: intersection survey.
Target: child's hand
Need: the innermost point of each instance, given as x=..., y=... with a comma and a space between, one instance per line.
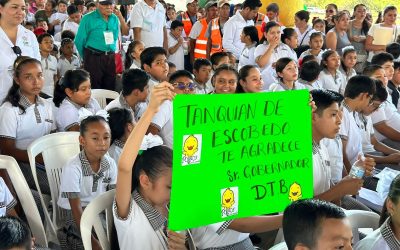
x=369, y=165
x=350, y=186
x=160, y=93
x=176, y=241
x=180, y=40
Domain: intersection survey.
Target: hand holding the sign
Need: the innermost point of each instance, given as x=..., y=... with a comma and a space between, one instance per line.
x=159, y=94
x=176, y=241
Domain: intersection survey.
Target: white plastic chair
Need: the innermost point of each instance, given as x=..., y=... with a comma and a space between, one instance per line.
x=25, y=198
x=101, y=96
x=279, y=246
x=361, y=219
x=90, y=218
x=56, y=150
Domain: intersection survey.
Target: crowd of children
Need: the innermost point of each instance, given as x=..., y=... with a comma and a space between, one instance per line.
x=128, y=145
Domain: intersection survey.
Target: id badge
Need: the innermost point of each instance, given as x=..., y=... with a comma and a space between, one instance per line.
x=108, y=37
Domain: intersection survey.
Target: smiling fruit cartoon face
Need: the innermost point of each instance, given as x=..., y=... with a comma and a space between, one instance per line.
x=295, y=192
x=228, y=198
x=190, y=146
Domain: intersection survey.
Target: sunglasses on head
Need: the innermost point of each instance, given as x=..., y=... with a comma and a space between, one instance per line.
x=17, y=50
x=182, y=86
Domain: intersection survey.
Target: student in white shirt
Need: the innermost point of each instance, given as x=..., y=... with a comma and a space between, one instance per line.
x=56, y=19
x=25, y=117
x=348, y=61
x=225, y=80
x=7, y=201
x=309, y=73
x=250, y=80
x=218, y=59
x=49, y=63
x=357, y=96
x=330, y=76
x=287, y=71
x=132, y=57
x=154, y=61
x=84, y=177
x=140, y=217
x=162, y=122
x=234, y=26
x=73, y=95
x=290, y=38
x=249, y=37
x=67, y=60
x=202, y=75
x=303, y=29
x=134, y=93
x=121, y=125
x=175, y=45
x=74, y=18
x=316, y=43
x=326, y=122
x=385, y=237
x=271, y=48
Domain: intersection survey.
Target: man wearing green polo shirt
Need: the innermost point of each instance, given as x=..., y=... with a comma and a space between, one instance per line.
x=96, y=42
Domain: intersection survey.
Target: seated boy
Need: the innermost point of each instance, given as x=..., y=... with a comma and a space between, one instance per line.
x=202, y=76
x=326, y=122
x=134, y=93
x=315, y=224
x=14, y=234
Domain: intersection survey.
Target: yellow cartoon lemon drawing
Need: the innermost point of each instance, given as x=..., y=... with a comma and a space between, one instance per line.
x=190, y=146
x=295, y=192
x=228, y=198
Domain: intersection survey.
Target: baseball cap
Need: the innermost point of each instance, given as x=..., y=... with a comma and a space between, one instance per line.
x=105, y=2
x=222, y=2
x=210, y=4
x=189, y=1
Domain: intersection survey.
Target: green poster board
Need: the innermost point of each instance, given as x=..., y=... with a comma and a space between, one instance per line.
x=239, y=155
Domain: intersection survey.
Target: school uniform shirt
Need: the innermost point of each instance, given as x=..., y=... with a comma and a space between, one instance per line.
x=232, y=30
x=321, y=168
x=350, y=131
x=68, y=113
x=367, y=130
x=334, y=83
x=219, y=236
x=203, y=89
x=24, y=128
x=281, y=51
x=60, y=16
x=382, y=238
x=78, y=180
x=143, y=228
x=314, y=85
x=64, y=64
x=29, y=46
x=151, y=21
x=303, y=39
x=178, y=57
x=163, y=120
x=49, y=67
x=278, y=87
x=7, y=201
x=346, y=75
x=269, y=77
x=135, y=65
x=120, y=102
x=115, y=150
x=386, y=113
x=247, y=56
x=308, y=53
x=335, y=151
x=70, y=25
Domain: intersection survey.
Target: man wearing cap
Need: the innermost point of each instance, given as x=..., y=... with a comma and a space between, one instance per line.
x=148, y=22
x=96, y=42
x=234, y=26
x=215, y=29
x=198, y=40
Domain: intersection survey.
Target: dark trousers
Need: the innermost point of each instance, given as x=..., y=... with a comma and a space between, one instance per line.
x=101, y=68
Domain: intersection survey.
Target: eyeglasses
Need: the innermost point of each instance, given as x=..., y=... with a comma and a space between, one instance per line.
x=182, y=86
x=375, y=105
x=17, y=50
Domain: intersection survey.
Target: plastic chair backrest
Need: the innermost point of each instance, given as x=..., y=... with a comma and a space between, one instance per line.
x=279, y=246
x=56, y=150
x=25, y=198
x=101, y=96
x=91, y=218
x=361, y=219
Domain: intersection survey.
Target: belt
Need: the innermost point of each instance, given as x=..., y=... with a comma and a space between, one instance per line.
x=99, y=52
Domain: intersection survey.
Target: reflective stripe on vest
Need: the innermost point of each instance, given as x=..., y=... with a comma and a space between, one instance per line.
x=258, y=24
x=201, y=42
x=216, y=37
x=187, y=23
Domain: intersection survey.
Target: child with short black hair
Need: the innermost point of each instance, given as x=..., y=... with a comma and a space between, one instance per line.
x=30, y=26
x=394, y=85
x=219, y=58
x=134, y=93
x=154, y=61
x=394, y=49
x=84, y=177
x=49, y=63
x=316, y=43
x=171, y=70
x=202, y=74
x=74, y=18
x=57, y=19
x=14, y=234
x=175, y=44
x=67, y=60
x=309, y=73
